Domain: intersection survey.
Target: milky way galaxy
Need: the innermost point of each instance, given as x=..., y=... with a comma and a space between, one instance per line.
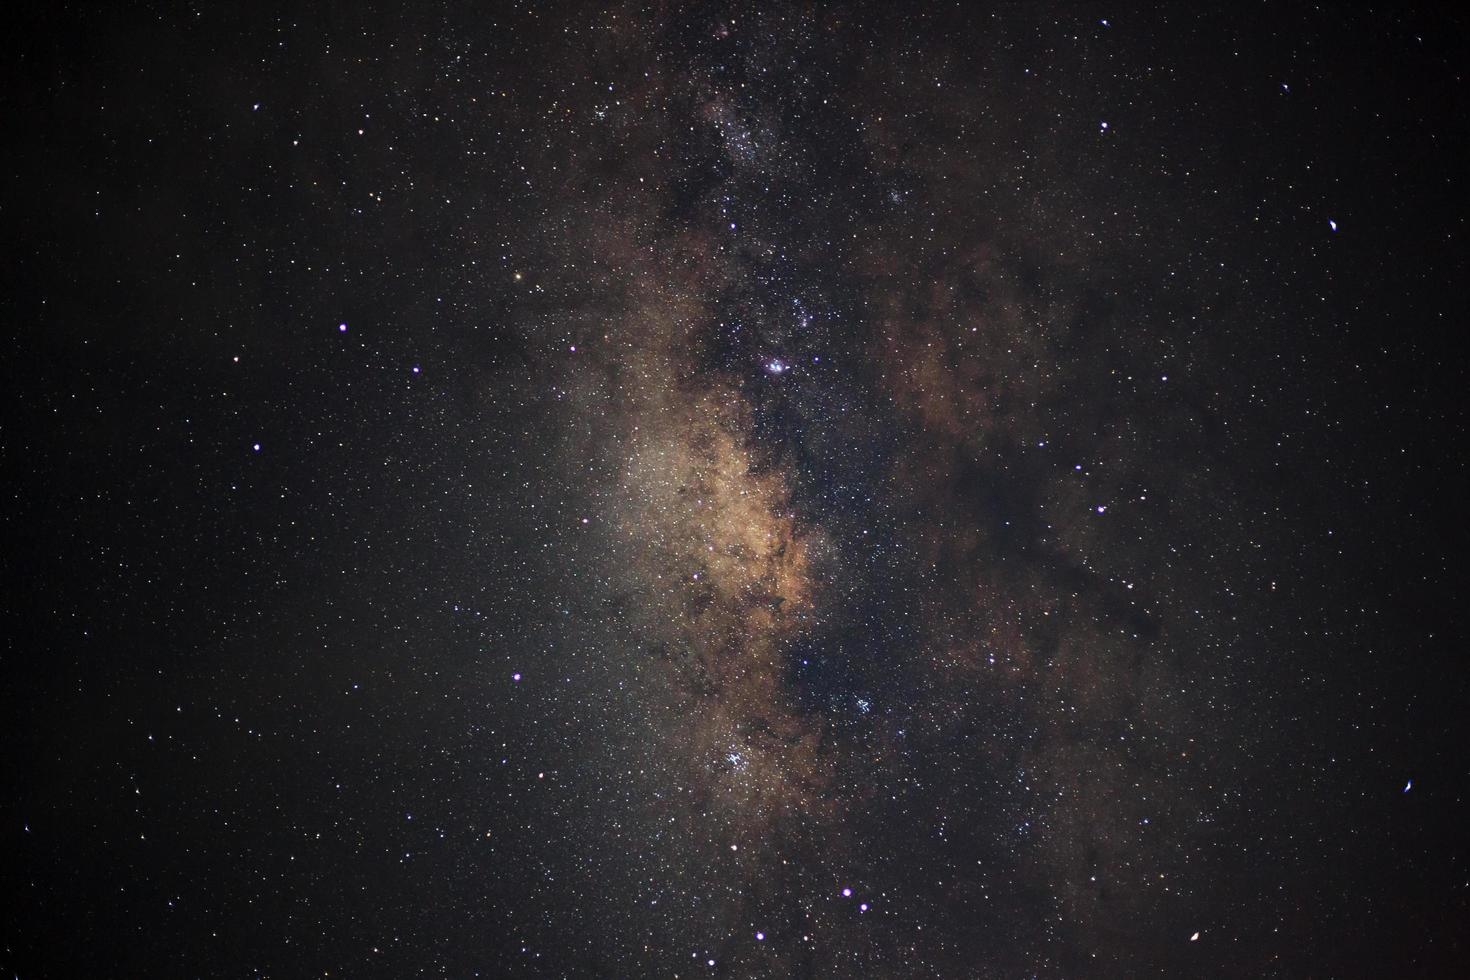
x=847, y=530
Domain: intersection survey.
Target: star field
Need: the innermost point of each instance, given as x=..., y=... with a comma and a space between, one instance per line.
x=709, y=490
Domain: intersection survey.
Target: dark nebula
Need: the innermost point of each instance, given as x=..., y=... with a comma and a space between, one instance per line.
x=693, y=490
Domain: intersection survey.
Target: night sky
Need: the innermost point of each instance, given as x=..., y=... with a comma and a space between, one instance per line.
x=891, y=490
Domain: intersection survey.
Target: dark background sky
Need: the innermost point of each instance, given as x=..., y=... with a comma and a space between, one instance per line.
x=893, y=490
